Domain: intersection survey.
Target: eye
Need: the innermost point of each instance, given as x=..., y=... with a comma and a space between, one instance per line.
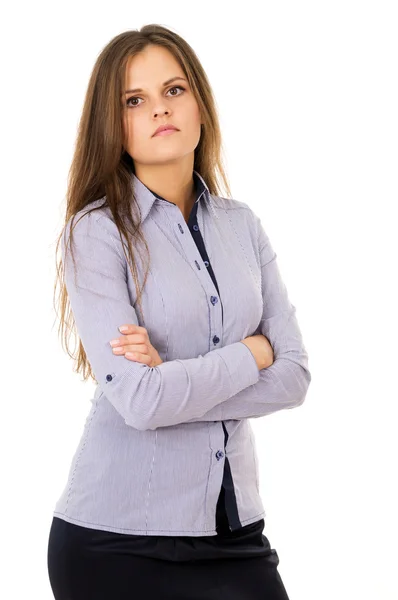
x=176, y=87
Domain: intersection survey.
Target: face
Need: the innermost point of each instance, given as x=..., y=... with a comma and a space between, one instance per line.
x=158, y=104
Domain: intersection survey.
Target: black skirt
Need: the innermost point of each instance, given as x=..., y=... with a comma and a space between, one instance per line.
x=92, y=564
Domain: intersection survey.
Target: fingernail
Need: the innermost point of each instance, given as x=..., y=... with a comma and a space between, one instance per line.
x=123, y=328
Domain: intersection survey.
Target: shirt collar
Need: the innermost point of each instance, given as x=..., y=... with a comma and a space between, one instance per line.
x=145, y=197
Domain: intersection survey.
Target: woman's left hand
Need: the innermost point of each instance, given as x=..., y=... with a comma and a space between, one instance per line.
x=136, y=346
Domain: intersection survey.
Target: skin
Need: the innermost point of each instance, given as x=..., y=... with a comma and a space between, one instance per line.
x=135, y=345
x=164, y=164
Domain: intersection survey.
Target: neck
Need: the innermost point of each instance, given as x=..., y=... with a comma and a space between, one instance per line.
x=171, y=183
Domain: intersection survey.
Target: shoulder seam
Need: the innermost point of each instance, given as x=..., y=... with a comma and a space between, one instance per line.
x=227, y=200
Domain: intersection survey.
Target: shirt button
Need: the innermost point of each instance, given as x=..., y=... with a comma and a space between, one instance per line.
x=206, y=263
x=219, y=454
x=213, y=299
x=195, y=228
x=216, y=339
x=109, y=377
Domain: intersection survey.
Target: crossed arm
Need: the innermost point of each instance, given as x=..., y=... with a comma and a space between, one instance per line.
x=225, y=383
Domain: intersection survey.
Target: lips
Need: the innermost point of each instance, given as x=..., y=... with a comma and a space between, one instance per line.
x=165, y=128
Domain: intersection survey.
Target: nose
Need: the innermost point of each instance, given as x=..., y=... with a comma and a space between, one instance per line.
x=165, y=112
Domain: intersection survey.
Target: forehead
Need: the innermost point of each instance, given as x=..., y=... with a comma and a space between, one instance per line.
x=153, y=65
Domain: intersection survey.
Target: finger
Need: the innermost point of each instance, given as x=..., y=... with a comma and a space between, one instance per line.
x=141, y=348
x=138, y=357
x=134, y=338
x=122, y=349
x=131, y=328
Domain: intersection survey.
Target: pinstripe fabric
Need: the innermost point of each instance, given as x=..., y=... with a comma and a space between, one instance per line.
x=150, y=459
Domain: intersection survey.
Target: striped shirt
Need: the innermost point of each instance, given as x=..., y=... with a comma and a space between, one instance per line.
x=159, y=443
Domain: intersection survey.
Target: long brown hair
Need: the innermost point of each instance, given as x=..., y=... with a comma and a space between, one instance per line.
x=100, y=166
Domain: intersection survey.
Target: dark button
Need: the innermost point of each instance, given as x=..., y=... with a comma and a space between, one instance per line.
x=216, y=339
x=206, y=263
x=219, y=454
x=109, y=377
x=213, y=299
x=195, y=228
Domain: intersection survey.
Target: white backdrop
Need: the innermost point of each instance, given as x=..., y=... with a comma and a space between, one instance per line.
x=307, y=95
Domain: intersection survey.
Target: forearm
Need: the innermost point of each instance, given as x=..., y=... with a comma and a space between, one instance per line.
x=282, y=385
x=178, y=391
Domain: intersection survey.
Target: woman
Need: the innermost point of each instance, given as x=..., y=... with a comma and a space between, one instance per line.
x=162, y=498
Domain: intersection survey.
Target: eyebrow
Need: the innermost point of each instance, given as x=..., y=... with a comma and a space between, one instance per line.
x=165, y=83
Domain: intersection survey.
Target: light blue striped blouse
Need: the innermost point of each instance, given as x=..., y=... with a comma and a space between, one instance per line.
x=151, y=455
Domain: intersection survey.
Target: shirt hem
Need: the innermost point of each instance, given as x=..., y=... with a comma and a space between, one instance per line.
x=149, y=532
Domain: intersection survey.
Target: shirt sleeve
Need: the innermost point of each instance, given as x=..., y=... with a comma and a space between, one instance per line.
x=285, y=383
x=146, y=397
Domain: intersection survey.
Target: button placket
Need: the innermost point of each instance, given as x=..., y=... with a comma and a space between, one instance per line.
x=191, y=249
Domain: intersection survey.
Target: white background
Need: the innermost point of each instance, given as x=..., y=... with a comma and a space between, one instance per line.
x=307, y=96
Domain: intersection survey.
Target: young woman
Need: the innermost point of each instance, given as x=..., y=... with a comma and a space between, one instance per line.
x=162, y=497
